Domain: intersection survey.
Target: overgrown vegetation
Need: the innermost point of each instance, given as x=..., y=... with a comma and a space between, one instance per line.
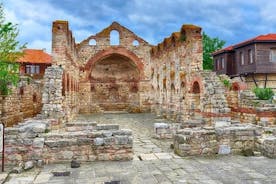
x=226, y=83
x=10, y=51
x=210, y=45
x=263, y=93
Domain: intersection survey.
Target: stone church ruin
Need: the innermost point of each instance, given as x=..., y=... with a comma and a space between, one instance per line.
x=97, y=75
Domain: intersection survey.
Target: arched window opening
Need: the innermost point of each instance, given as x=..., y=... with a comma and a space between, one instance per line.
x=135, y=43
x=21, y=91
x=172, y=88
x=182, y=84
x=196, y=88
x=34, y=98
x=114, y=38
x=92, y=42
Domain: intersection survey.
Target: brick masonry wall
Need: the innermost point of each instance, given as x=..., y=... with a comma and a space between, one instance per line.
x=245, y=107
x=181, y=90
x=23, y=102
x=170, y=68
x=79, y=61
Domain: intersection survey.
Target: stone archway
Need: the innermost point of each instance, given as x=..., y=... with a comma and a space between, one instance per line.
x=195, y=100
x=115, y=80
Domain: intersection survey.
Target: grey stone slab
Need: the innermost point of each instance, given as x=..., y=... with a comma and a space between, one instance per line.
x=149, y=156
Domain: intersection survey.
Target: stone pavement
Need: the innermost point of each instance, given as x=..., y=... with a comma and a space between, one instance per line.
x=154, y=162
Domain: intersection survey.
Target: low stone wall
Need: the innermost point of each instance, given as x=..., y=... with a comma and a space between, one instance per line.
x=248, y=109
x=23, y=102
x=215, y=140
x=195, y=141
x=165, y=130
x=267, y=142
x=86, y=141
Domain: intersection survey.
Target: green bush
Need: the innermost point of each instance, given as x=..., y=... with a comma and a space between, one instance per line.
x=226, y=83
x=263, y=93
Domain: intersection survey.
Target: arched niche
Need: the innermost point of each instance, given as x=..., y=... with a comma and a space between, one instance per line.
x=114, y=37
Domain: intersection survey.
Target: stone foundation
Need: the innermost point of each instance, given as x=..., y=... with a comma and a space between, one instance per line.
x=225, y=139
x=245, y=107
x=86, y=141
x=165, y=130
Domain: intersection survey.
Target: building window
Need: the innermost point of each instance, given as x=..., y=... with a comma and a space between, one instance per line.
x=242, y=58
x=218, y=64
x=250, y=56
x=222, y=63
x=32, y=69
x=273, y=55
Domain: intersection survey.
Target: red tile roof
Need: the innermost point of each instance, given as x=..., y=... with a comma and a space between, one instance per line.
x=35, y=56
x=261, y=38
x=229, y=48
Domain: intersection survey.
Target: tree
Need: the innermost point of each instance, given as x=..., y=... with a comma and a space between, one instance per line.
x=210, y=45
x=10, y=51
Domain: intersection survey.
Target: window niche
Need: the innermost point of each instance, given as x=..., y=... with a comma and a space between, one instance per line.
x=92, y=42
x=135, y=43
x=114, y=37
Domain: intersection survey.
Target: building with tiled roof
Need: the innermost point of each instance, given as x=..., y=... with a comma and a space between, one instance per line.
x=253, y=59
x=34, y=62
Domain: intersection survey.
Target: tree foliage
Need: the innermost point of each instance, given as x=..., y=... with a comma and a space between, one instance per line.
x=10, y=50
x=210, y=45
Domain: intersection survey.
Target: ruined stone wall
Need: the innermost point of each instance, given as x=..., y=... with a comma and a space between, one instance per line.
x=235, y=139
x=100, y=76
x=173, y=61
x=53, y=97
x=245, y=107
x=226, y=138
x=24, y=102
x=64, y=55
x=33, y=140
x=112, y=76
x=181, y=90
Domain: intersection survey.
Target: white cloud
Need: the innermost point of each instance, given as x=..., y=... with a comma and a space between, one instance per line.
x=268, y=12
x=152, y=20
x=41, y=44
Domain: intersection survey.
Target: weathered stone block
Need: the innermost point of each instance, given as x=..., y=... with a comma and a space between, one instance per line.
x=38, y=142
x=99, y=141
x=224, y=149
x=28, y=165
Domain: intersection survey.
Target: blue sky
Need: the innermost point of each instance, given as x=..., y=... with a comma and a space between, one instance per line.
x=153, y=20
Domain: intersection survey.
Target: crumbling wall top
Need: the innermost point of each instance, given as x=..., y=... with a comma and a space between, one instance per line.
x=187, y=31
x=123, y=31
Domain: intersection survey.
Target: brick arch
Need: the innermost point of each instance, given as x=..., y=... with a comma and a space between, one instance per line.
x=199, y=81
x=195, y=87
x=116, y=50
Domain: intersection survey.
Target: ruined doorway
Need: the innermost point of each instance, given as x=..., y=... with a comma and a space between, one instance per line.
x=115, y=81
